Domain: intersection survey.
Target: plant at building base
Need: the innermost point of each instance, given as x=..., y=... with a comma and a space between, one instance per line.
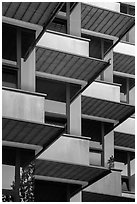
x=26, y=190
x=111, y=162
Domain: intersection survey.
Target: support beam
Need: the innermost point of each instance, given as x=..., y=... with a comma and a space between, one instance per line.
x=68, y=107
x=103, y=145
x=129, y=170
x=19, y=56
x=127, y=89
x=68, y=16
x=17, y=176
x=102, y=57
x=68, y=193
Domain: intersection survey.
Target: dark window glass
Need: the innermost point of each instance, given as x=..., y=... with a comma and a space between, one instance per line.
x=9, y=77
x=9, y=45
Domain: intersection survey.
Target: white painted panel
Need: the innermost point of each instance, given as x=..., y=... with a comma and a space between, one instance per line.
x=22, y=106
x=8, y=176
x=128, y=126
x=103, y=91
x=110, y=185
x=64, y=43
x=68, y=150
x=106, y=5
x=125, y=48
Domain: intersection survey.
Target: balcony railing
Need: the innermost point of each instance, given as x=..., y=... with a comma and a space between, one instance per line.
x=24, y=105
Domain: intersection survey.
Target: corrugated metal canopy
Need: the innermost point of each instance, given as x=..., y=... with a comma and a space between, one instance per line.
x=124, y=63
x=106, y=109
x=98, y=197
x=105, y=21
x=124, y=140
x=69, y=171
x=68, y=65
x=32, y=12
x=20, y=131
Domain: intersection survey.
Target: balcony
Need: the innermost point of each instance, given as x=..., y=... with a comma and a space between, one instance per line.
x=105, y=21
x=104, y=90
x=65, y=43
x=23, y=124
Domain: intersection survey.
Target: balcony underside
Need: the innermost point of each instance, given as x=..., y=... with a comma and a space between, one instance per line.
x=105, y=21
x=106, y=109
x=124, y=63
x=97, y=197
x=32, y=12
x=69, y=173
x=124, y=140
x=30, y=133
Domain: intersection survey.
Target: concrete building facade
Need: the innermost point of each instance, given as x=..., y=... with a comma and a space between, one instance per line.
x=68, y=99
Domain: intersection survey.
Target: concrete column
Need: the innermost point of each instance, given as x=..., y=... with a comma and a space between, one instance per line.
x=76, y=198
x=75, y=21
x=75, y=117
x=108, y=146
x=28, y=73
x=108, y=73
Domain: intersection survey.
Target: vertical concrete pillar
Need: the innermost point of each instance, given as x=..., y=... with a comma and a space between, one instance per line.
x=75, y=21
x=77, y=198
x=108, y=146
x=75, y=117
x=108, y=73
x=28, y=73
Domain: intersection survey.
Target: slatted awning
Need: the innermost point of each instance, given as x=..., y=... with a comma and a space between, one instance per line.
x=68, y=65
x=67, y=171
x=105, y=21
x=106, y=109
x=25, y=132
x=99, y=197
x=124, y=140
x=33, y=12
x=124, y=63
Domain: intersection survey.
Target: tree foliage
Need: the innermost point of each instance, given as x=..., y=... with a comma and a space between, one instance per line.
x=26, y=190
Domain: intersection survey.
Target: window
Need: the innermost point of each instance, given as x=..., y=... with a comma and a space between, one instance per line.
x=125, y=161
x=9, y=77
x=128, y=9
x=127, y=89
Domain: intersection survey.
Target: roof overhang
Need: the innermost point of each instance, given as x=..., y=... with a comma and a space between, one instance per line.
x=69, y=65
x=30, y=133
x=40, y=13
x=106, y=109
x=106, y=21
x=124, y=140
x=124, y=63
x=98, y=197
x=69, y=173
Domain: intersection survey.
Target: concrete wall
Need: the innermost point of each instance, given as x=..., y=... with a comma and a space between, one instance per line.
x=128, y=126
x=108, y=73
x=75, y=21
x=22, y=106
x=75, y=116
x=114, y=6
x=65, y=43
x=125, y=48
x=69, y=150
x=28, y=81
x=108, y=146
x=104, y=91
x=76, y=198
x=110, y=184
